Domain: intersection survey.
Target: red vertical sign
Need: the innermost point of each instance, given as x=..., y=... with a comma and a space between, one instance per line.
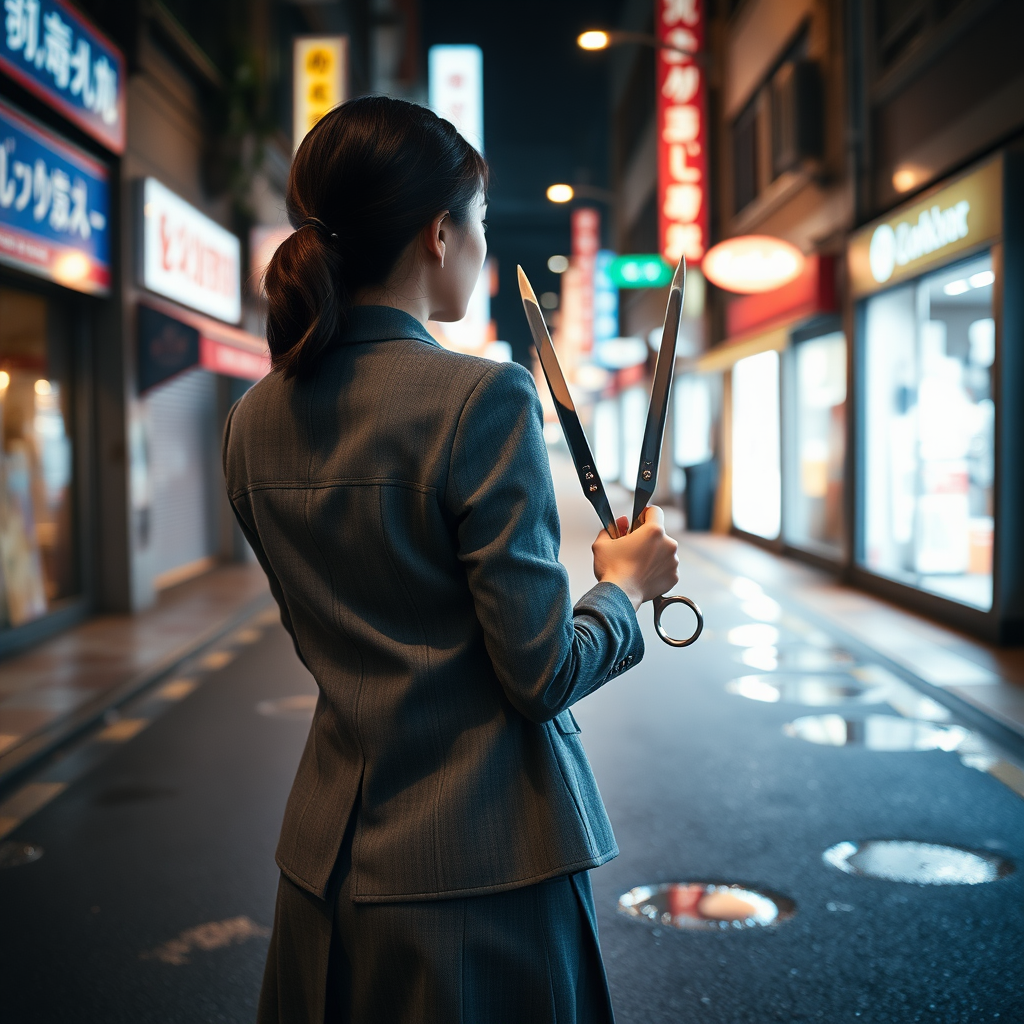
x=682, y=132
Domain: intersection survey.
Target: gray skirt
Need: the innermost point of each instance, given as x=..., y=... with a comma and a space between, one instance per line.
x=525, y=955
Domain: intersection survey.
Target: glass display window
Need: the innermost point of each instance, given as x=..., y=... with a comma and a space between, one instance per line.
x=928, y=422
x=756, y=449
x=38, y=565
x=816, y=443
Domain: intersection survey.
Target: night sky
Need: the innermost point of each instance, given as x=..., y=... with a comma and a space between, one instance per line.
x=546, y=119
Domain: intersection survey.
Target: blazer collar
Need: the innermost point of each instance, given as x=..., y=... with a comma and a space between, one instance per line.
x=382, y=323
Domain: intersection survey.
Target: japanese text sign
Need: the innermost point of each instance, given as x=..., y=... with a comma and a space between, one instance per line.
x=54, y=207
x=188, y=257
x=319, y=80
x=52, y=51
x=682, y=131
x=456, y=86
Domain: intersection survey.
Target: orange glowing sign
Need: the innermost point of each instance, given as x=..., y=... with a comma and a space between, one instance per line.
x=753, y=263
x=682, y=131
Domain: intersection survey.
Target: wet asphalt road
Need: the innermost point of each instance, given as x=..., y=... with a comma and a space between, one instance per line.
x=155, y=890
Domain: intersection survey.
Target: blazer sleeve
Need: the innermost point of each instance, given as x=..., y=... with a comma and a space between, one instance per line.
x=547, y=654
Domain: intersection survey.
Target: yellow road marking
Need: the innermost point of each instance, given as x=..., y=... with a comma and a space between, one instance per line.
x=216, y=660
x=177, y=689
x=122, y=730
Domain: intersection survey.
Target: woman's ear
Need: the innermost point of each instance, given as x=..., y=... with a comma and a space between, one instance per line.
x=437, y=234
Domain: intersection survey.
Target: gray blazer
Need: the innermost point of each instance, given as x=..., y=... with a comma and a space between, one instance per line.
x=401, y=504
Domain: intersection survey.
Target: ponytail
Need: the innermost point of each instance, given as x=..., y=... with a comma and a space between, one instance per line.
x=365, y=180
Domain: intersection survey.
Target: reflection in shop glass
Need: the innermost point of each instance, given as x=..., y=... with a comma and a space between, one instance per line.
x=37, y=558
x=929, y=421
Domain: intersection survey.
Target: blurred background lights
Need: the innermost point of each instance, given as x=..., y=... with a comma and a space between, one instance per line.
x=980, y=280
x=43, y=387
x=5, y=379
x=71, y=268
x=558, y=264
x=549, y=300
x=560, y=193
x=753, y=263
x=905, y=179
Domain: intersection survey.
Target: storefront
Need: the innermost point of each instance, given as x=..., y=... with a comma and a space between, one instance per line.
x=939, y=382
x=57, y=262
x=191, y=364
x=774, y=398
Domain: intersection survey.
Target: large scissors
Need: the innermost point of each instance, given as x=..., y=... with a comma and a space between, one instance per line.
x=654, y=433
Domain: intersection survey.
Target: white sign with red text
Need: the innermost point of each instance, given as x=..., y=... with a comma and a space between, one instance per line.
x=456, y=89
x=189, y=258
x=682, y=133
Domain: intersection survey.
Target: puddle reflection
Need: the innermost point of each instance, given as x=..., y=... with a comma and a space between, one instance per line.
x=917, y=863
x=876, y=732
x=14, y=854
x=799, y=658
x=811, y=691
x=705, y=906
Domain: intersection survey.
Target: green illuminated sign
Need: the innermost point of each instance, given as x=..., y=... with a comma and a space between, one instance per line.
x=645, y=271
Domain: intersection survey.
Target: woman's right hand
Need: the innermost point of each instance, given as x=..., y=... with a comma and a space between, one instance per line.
x=643, y=563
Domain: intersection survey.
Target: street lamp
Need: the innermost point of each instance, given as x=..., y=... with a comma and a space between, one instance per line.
x=599, y=39
x=562, y=193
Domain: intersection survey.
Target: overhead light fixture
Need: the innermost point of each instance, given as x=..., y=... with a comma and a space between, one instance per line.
x=982, y=279
x=558, y=264
x=593, y=39
x=560, y=193
x=906, y=178
x=956, y=287
x=753, y=263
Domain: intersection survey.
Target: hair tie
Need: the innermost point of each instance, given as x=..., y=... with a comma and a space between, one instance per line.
x=316, y=222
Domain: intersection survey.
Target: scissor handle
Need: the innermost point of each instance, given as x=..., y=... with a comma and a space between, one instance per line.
x=661, y=603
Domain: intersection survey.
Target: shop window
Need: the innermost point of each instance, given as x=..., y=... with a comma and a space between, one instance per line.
x=756, y=451
x=37, y=556
x=929, y=422
x=816, y=444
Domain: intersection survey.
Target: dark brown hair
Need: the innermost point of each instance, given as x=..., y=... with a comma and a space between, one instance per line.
x=368, y=176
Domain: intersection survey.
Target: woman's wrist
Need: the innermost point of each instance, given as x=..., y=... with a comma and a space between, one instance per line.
x=627, y=586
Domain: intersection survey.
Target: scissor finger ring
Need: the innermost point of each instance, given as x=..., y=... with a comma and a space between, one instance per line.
x=661, y=603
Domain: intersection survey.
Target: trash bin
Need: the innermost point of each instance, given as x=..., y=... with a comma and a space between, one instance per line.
x=699, y=496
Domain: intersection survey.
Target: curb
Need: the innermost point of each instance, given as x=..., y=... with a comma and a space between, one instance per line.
x=26, y=757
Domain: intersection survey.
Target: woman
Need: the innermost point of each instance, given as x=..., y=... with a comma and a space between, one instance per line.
x=436, y=843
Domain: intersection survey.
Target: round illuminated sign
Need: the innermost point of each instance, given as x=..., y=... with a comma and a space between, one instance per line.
x=753, y=263
x=882, y=253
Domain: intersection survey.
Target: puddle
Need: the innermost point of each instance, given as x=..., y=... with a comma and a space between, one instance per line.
x=704, y=906
x=762, y=608
x=14, y=854
x=754, y=634
x=918, y=863
x=297, y=709
x=796, y=657
x=877, y=732
x=811, y=691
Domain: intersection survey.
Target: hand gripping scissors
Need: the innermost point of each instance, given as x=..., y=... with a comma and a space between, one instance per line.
x=650, y=452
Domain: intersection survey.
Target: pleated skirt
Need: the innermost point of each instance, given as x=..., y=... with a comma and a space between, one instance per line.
x=525, y=956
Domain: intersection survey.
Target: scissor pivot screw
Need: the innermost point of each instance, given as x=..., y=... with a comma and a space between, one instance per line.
x=592, y=488
x=589, y=476
x=647, y=474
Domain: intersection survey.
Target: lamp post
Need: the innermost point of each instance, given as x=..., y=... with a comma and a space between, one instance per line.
x=562, y=193
x=600, y=39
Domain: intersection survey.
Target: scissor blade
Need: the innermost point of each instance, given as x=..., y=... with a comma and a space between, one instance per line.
x=661, y=393
x=579, y=449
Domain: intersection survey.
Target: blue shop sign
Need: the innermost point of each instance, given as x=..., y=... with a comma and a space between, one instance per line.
x=54, y=206
x=55, y=53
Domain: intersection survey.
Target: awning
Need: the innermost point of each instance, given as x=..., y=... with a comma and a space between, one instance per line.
x=172, y=339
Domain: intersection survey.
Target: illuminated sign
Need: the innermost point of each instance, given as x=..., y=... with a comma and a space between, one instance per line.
x=682, y=132
x=188, y=257
x=645, y=271
x=54, y=207
x=50, y=49
x=753, y=263
x=319, y=80
x=929, y=232
x=456, y=89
